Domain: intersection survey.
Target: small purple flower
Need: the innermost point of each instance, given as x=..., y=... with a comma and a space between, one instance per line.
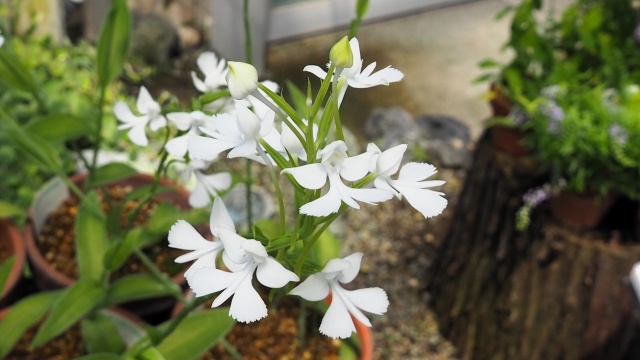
x=618, y=134
x=554, y=114
x=636, y=34
x=518, y=115
x=535, y=197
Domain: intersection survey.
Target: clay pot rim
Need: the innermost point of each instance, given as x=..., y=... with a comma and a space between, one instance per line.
x=36, y=257
x=19, y=250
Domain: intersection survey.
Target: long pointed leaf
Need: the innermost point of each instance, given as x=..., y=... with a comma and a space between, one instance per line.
x=101, y=335
x=113, y=44
x=196, y=334
x=15, y=74
x=91, y=238
x=59, y=127
x=22, y=316
x=75, y=302
x=136, y=287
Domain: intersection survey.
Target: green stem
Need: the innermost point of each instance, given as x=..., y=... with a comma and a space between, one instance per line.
x=72, y=186
x=230, y=349
x=309, y=244
x=247, y=33
x=276, y=184
x=186, y=310
x=98, y=136
x=336, y=111
x=323, y=91
x=248, y=182
x=159, y=275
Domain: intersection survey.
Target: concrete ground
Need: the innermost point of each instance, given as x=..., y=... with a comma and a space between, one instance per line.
x=437, y=50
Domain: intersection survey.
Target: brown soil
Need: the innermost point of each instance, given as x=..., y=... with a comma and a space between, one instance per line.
x=68, y=345
x=276, y=337
x=56, y=240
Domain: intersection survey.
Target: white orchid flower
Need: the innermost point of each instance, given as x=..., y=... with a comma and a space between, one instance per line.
x=243, y=257
x=191, y=121
x=206, y=185
x=214, y=71
x=411, y=181
x=240, y=133
x=355, y=77
x=242, y=79
x=150, y=114
x=184, y=236
x=1, y=39
x=337, y=321
x=335, y=164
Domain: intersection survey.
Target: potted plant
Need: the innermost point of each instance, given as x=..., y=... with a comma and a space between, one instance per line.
x=12, y=258
x=301, y=141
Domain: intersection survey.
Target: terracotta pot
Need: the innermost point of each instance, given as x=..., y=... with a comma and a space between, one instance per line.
x=48, y=278
x=10, y=233
x=363, y=332
x=509, y=140
x=500, y=104
x=580, y=210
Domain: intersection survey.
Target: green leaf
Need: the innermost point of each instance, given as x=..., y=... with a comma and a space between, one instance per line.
x=120, y=251
x=91, y=238
x=112, y=172
x=8, y=210
x=196, y=334
x=362, y=6
x=58, y=127
x=15, y=74
x=150, y=353
x=167, y=214
x=299, y=99
x=488, y=63
x=5, y=270
x=22, y=316
x=136, y=287
x=113, y=43
x=75, y=302
x=34, y=147
x=211, y=97
x=101, y=335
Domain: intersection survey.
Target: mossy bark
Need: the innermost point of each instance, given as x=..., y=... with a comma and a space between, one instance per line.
x=545, y=293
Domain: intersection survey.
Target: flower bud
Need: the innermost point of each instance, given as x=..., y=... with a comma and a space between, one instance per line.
x=242, y=79
x=341, y=54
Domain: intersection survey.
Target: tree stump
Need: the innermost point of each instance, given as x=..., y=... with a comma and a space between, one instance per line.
x=546, y=293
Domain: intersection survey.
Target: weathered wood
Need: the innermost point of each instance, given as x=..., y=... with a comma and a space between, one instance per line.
x=545, y=293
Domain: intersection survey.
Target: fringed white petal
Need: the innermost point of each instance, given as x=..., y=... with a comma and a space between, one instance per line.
x=373, y=300
x=413, y=171
x=390, y=160
x=247, y=305
x=184, y=236
x=145, y=102
x=428, y=202
x=233, y=245
x=337, y=322
x=123, y=113
x=245, y=149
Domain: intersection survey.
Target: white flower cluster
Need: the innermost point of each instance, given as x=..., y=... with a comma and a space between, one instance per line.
x=246, y=125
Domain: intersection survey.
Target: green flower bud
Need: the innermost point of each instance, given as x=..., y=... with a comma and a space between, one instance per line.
x=341, y=54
